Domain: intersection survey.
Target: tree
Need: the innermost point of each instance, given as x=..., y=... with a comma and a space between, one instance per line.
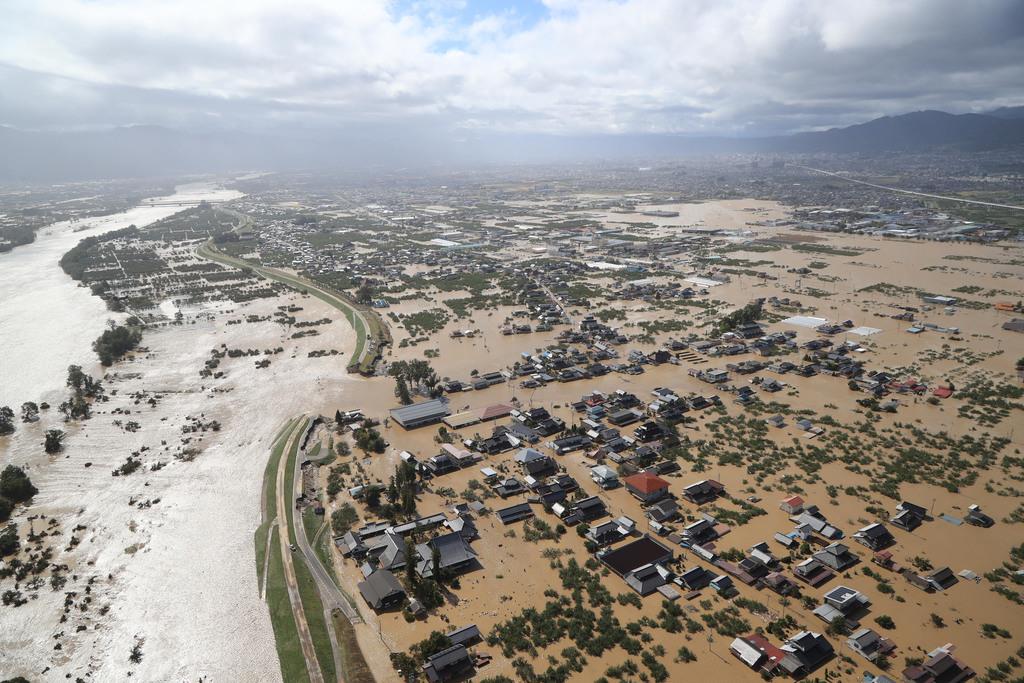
x=6, y=420
x=115, y=342
x=410, y=562
x=837, y=626
x=364, y=294
x=54, y=440
x=402, y=391
x=8, y=541
x=15, y=485
x=29, y=412
x=343, y=518
x=435, y=563
x=373, y=498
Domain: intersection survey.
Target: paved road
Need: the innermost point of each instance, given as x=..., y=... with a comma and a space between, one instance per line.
x=285, y=499
x=209, y=251
x=554, y=300
x=330, y=594
x=919, y=194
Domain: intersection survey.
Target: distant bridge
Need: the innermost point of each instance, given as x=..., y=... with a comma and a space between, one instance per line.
x=180, y=202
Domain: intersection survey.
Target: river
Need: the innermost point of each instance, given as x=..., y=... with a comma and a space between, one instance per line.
x=47, y=321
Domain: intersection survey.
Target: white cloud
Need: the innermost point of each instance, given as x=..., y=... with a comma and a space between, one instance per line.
x=588, y=66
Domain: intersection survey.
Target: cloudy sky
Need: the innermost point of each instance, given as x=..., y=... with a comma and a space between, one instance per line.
x=734, y=67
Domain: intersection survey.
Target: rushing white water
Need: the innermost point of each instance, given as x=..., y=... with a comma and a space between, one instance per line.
x=47, y=321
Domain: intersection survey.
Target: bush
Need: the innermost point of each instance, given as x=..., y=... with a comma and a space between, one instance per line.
x=885, y=621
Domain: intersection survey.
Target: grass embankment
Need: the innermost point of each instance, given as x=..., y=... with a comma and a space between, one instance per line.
x=269, y=499
x=376, y=332
x=289, y=649
x=354, y=668
x=286, y=635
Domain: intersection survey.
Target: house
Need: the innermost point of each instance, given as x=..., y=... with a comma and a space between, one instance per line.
x=535, y=463
x=941, y=579
x=723, y=584
x=421, y=414
x=590, y=508
x=793, y=505
x=604, y=476
x=381, y=590
x=649, y=431
x=779, y=583
x=836, y=556
x=621, y=418
x=784, y=540
x=568, y=444
x=465, y=525
x=975, y=517
x=442, y=463
x=646, y=487
x=695, y=578
x=813, y=572
x=868, y=644
x=699, y=532
x=940, y=667
x=393, y=555
x=805, y=652
x=454, y=555
x=703, y=491
x=448, y=664
x=606, y=534
x=908, y=516
x=874, y=536
x=841, y=601
x=647, y=578
x=663, y=510
x=515, y=513
x=508, y=487
x=644, y=550
x=467, y=635
x=811, y=521
x=756, y=652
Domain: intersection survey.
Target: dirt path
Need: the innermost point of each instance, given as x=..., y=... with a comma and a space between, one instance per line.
x=266, y=558
x=301, y=625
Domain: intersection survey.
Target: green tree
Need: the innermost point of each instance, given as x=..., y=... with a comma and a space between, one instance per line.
x=54, y=440
x=6, y=420
x=402, y=391
x=410, y=563
x=343, y=518
x=29, y=412
x=8, y=541
x=364, y=294
x=15, y=484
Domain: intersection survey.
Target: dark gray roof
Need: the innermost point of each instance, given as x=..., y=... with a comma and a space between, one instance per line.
x=379, y=586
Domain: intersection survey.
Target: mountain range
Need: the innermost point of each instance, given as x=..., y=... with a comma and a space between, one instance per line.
x=143, y=151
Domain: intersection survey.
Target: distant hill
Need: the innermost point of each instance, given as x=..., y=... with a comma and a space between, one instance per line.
x=144, y=151
x=917, y=131
x=1007, y=113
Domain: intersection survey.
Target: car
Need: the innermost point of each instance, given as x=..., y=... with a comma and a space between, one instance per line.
x=292, y=546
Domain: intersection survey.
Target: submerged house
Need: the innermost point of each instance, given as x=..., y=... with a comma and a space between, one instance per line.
x=454, y=555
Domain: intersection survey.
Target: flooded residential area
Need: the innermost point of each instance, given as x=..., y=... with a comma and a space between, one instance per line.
x=619, y=428
x=519, y=341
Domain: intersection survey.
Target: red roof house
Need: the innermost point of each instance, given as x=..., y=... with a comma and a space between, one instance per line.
x=646, y=486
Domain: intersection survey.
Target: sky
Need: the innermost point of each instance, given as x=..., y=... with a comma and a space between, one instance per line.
x=576, y=67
